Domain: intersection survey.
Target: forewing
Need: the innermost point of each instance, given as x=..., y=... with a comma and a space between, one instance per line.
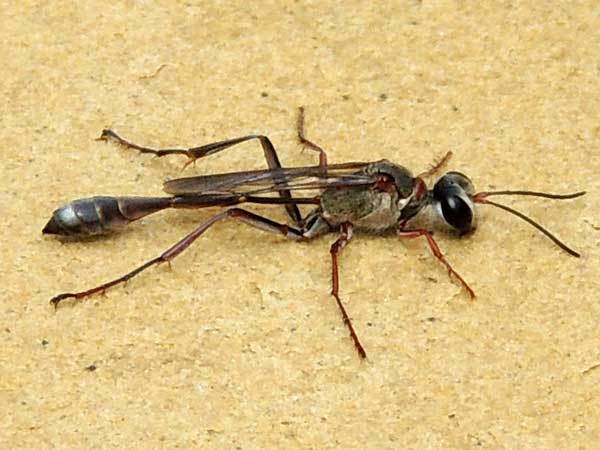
x=263, y=181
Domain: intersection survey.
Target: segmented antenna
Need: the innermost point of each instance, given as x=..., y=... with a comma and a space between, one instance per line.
x=531, y=193
x=481, y=197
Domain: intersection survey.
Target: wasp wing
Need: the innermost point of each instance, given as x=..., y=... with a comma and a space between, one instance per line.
x=272, y=180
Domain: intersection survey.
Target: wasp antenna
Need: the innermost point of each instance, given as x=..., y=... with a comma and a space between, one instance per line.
x=530, y=193
x=533, y=222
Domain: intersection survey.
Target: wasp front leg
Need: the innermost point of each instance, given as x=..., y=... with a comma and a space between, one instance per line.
x=435, y=249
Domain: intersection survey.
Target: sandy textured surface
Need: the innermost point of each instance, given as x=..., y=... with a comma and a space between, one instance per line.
x=240, y=346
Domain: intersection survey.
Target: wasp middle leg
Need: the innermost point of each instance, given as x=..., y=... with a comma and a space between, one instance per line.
x=336, y=249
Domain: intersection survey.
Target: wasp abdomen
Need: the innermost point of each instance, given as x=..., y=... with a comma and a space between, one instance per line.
x=97, y=215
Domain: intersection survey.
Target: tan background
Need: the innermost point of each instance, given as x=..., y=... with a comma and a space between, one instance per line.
x=240, y=345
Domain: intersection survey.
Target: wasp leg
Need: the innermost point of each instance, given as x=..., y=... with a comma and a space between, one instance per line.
x=437, y=253
x=109, y=135
x=194, y=153
x=336, y=249
x=437, y=165
x=236, y=213
x=311, y=145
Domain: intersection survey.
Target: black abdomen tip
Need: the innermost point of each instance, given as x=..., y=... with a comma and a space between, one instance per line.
x=52, y=227
x=84, y=217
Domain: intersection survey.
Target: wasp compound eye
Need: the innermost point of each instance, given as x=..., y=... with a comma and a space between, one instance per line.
x=457, y=213
x=456, y=180
x=451, y=194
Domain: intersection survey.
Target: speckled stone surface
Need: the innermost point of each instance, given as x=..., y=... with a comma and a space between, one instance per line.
x=240, y=346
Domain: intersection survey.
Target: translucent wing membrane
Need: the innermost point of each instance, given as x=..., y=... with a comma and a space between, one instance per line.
x=272, y=180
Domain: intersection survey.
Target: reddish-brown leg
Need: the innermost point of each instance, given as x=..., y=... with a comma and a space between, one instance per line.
x=194, y=153
x=236, y=213
x=311, y=145
x=336, y=249
x=437, y=166
x=437, y=253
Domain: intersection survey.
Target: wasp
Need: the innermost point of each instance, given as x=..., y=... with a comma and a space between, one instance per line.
x=371, y=197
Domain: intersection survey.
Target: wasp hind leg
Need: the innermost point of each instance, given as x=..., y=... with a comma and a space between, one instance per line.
x=235, y=213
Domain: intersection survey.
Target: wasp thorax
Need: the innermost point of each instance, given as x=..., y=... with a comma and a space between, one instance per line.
x=452, y=198
x=400, y=176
